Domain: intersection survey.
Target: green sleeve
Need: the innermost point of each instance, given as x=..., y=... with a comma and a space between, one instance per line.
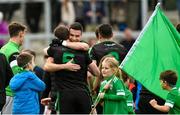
x=114, y=97
x=119, y=91
x=170, y=100
x=129, y=101
x=89, y=51
x=16, y=69
x=92, y=53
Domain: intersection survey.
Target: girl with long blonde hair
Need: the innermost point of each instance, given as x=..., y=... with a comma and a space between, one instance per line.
x=112, y=89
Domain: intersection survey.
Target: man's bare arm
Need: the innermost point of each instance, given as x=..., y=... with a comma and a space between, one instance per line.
x=163, y=108
x=50, y=66
x=77, y=45
x=73, y=45
x=95, y=71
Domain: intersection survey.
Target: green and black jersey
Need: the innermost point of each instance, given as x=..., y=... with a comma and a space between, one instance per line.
x=65, y=79
x=11, y=51
x=107, y=48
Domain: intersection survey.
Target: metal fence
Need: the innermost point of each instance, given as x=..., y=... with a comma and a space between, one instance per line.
x=47, y=34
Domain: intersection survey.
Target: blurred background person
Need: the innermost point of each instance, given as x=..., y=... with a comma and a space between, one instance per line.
x=8, y=9
x=92, y=41
x=94, y=12
x=3, y=29
x=128, y=39
x=178, y=8
x=118, y=17
x=33, y=11
x=67, y=12
x=55, y=13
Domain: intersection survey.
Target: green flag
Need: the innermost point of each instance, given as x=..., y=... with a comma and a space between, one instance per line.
x=156, y=49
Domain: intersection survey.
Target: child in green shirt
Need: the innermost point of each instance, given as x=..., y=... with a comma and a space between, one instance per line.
x=168, y=81
x=112, y=89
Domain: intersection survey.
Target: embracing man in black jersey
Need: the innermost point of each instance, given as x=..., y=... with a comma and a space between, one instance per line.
x=106, y=46
x=73, y=95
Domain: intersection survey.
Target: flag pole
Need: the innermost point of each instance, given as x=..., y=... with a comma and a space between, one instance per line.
x=98, y=97
x=140, y=36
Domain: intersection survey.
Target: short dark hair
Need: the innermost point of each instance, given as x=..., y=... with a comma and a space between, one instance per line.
x=15, y=27
x=105, y=30
x=23, y=59
x=169, y=76
x=76, y=26
x=61, y=32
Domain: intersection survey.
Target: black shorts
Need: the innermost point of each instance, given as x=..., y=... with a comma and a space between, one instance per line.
x=74, y=102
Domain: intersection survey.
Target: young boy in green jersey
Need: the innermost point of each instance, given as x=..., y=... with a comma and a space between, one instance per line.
x=168, y=81
x=112, y=89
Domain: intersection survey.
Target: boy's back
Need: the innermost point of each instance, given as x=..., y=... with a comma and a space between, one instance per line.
x=26, y=86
